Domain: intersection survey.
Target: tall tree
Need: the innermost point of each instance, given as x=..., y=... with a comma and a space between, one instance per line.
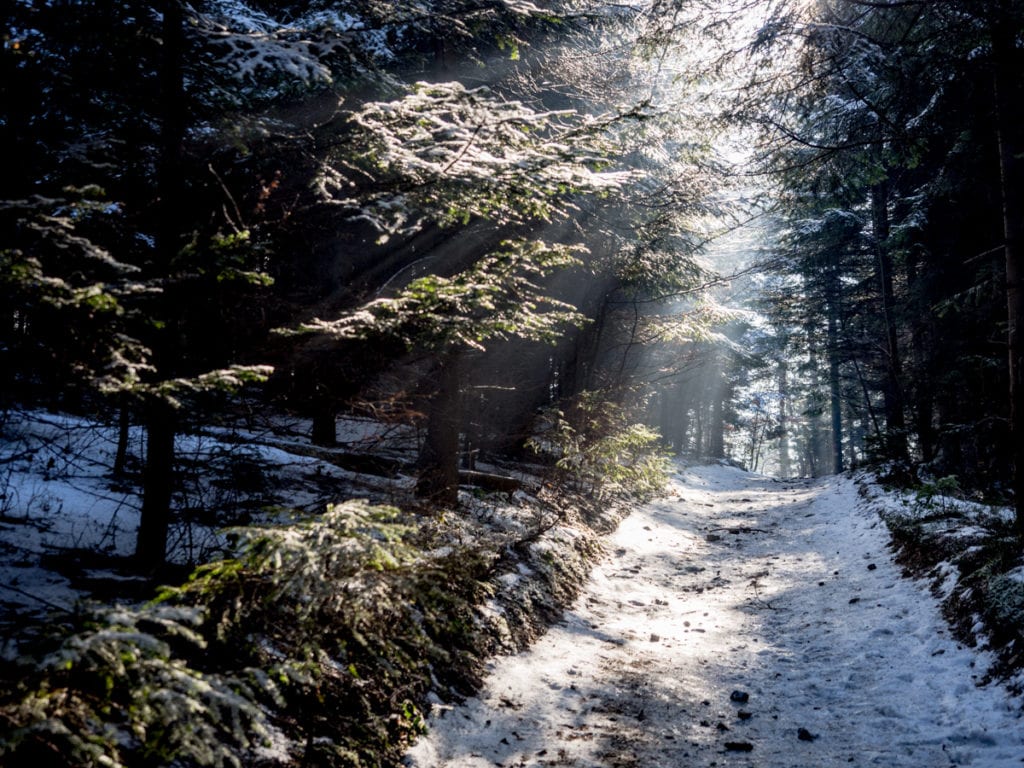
x=1005, y=22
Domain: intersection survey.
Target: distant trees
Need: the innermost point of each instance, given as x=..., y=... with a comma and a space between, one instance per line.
x=888, y=139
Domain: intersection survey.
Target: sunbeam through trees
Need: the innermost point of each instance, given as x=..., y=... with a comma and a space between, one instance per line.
x=362, y=307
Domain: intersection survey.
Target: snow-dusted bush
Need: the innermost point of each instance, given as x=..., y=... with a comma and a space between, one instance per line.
x=119, y=692
x=354, y=619
x=319, y=642
x=973, y=558
x=600, y=452
x=320, y=638
x=937, y=495
x=1006, y=597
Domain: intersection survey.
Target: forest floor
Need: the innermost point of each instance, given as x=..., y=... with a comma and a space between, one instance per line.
x=740, y=621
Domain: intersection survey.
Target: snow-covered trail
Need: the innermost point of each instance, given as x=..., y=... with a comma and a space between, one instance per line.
x=784, y=592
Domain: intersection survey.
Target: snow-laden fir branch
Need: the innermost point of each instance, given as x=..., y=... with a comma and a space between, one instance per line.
x=449, y=153
x=230, y=379
x=496, y=298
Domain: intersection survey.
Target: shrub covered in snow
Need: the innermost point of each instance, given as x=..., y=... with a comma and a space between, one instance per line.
x=601, y=453
x=321, y=640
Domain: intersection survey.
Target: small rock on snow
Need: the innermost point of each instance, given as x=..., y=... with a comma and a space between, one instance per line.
x=739, y=746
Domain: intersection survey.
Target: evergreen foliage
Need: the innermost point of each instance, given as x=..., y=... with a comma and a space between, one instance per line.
x=879, y=123
x=319, y=640
x=496, y=298
x=602, y=453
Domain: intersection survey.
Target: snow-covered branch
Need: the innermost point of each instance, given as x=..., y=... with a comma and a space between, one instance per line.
x=450, y=153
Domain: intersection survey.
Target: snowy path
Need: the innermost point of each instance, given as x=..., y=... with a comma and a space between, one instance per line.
x=784, y=591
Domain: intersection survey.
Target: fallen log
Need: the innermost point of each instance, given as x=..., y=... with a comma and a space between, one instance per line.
x=489, y=481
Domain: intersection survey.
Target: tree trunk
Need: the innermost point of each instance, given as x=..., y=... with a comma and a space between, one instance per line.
x=682, y=434
x=593, y=335
x=1012, y=178
x=439, y=457
x=896, y=426
x=716, y=429
x=835, y=391
x=785, y=465
x=173, y=120
x=835, y=397
x=756, y=429
x=325, y=428
x=923, y=401
x=158, y=475
x=158, y=481
x=853, y=431
x=664, y=419
x=699, y=446
x=123, y=434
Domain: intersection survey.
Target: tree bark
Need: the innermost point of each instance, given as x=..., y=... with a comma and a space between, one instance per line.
x=439, y=457
x=173, y=120
x=324, y=431
x=123, y=434
x=682, y=434
x=835, y=390
x=700, y=444
x=158, y=479
x=1006, y=77
x=716, y=429
x=896, y=425
x=756, y=429
x=835, y=395
x=158, y=475
x=923, y=401
x=785, y=463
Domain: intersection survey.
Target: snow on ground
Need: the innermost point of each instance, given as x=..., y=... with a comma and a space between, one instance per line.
x=783, y=593
x=55, y=493
x=58, y=494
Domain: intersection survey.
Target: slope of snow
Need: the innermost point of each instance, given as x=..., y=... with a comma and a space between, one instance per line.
x=784, y=592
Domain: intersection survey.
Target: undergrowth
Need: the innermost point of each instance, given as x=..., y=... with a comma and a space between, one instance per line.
x=320, y=641
x=600, y=452
x=317, y=644
x=975, y=563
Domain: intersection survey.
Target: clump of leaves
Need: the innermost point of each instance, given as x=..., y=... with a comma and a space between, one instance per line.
x=1006, y=598
x=353, y=615
x=499, y=297
x=448, y=153
x=935, y=496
